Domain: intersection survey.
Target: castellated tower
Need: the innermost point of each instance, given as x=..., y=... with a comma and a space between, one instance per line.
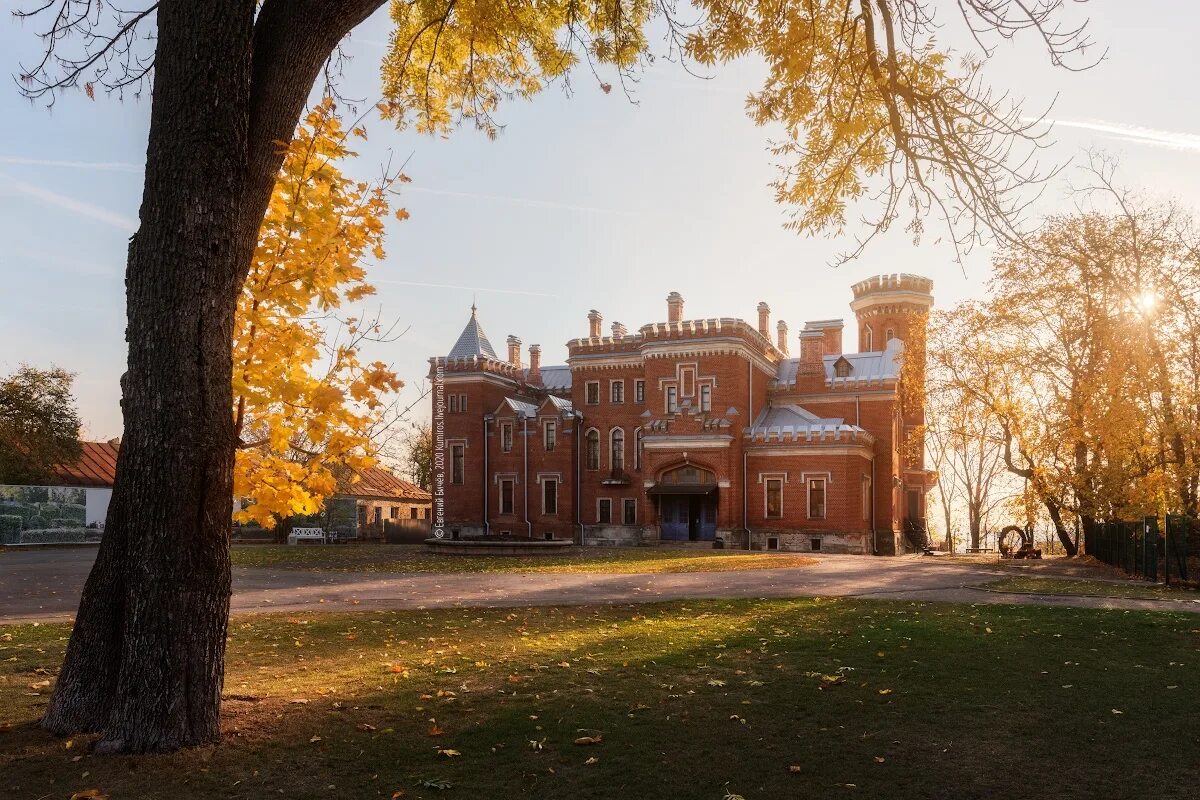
x=886, y=307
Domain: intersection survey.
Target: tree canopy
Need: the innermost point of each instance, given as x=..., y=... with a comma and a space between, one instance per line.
x=39, y=426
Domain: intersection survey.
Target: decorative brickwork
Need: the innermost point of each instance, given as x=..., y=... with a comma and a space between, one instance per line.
x=791, y=453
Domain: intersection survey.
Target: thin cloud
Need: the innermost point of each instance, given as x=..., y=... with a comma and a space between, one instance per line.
x=126, y=224
x=461, y=288
x=102, y=166
x=520, y=201
x=1173, y=140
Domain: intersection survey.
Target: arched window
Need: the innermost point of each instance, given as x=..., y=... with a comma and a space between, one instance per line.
x=891, y=334
x=593, y=449
x=617, y=457
x=869, y=339
x=637, y=451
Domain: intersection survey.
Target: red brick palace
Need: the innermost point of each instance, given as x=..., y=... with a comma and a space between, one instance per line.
x=690, y=429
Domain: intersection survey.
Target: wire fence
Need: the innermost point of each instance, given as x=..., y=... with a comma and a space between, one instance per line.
x=1169, y=551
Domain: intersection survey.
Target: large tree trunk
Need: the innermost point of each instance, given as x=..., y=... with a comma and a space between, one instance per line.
x=154, y=612
x=145, y=663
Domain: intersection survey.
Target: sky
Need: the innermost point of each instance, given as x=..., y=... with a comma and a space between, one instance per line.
x=585, y=200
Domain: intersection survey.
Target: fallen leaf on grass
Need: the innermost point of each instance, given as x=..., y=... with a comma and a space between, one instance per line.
x=434, y=783
x=89, y=794
x=716, y=682
x=879, y=759
x=363, y=726
x=794, y=769
x=436, y=731
x=589, y=740
x=448, y=753
x=885, y=691
x=1117, y=711
x=591, y=760
x=314, y=740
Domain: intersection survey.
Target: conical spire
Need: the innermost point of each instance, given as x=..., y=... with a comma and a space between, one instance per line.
x=473, y=341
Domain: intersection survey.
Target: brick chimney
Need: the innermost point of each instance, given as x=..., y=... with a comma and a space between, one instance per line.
x=535, y=364
x=831, y=330
x=764, y=319
x=674, y=307
x=514, y=351
x=594, y=320
x=781, y=326
x=619, y=330
x=812, y=347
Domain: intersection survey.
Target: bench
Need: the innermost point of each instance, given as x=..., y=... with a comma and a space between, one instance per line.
x=299, y=535
x=981, y=550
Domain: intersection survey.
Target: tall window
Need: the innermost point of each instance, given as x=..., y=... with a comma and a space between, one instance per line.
x=592, y=389
x=453, y=404
x=617, y=455
x=412, y=512
x=549, y=496
x=774, y=508
x=617, y=391
x=506, y=436
x=866, y=496
x=672, y=399
x=458, y=465
x=604, y=511
x=637, y=449
x=630, y=509
x=891, y=334
x=550, y=434
x=870, y=337
x=816, y=498
x=506, y=496
x=462, y=403
x=706, y=397
x=687, y=377
x=593, y=449
x=639, y=391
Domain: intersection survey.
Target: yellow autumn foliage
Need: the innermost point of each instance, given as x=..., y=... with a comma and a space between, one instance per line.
x=305, y=399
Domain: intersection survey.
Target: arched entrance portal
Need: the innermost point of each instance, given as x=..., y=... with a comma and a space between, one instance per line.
x=687, y=504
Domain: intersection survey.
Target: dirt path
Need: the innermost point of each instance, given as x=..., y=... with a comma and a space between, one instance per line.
x=44, y=585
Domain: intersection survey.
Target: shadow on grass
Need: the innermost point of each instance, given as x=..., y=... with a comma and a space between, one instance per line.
x=899, y=699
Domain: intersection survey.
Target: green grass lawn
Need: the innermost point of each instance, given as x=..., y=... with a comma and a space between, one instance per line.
x=1146, y=591
x=414, y=558
x=762, y=699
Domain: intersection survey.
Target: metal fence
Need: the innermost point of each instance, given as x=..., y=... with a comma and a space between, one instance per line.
x=1146, y=548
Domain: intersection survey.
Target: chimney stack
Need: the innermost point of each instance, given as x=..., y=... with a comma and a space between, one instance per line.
x=619, y=330
x=781, y=326
x=812, y=346
x=514, y=351
x=674, y=307
x=594, y=320
x=535, y=364
x=764, y=319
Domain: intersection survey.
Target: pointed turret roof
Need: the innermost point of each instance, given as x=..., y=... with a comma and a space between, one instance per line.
x=473, y=341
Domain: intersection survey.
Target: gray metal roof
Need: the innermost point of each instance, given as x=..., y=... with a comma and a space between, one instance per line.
x=556, y=378
x=562, y=404
x=522, y=408
x=787, y=421
x=473, y=341
x=865, y=368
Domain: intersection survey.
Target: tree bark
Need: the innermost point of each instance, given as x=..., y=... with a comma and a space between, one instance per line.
x=145, y=663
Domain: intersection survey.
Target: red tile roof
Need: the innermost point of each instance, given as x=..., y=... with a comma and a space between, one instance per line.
x=380, y=482
x=97, y=466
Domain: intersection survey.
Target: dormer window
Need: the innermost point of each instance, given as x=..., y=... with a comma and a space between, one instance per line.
x=842, y=368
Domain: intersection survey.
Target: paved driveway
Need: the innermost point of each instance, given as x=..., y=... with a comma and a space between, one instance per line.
x=44, y=585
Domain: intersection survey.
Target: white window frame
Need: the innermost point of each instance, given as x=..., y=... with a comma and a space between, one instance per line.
x=587, y=393
x=638, y=448
x=586, y=451
x=808, y=487
x=870, y=338
x=545, y=483
x=767, y=481
x=625, y=508
x=639, y=391
x=612, y=448
x=506, y=437
x=600, y=501
x=706, y=397
x=671, y=399
x=616, y=387
x=550, y=434
x=453, y=446
x=500, y=496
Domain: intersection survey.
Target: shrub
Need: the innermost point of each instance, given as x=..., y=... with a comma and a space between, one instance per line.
x=54, y=536
x=10, y=528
